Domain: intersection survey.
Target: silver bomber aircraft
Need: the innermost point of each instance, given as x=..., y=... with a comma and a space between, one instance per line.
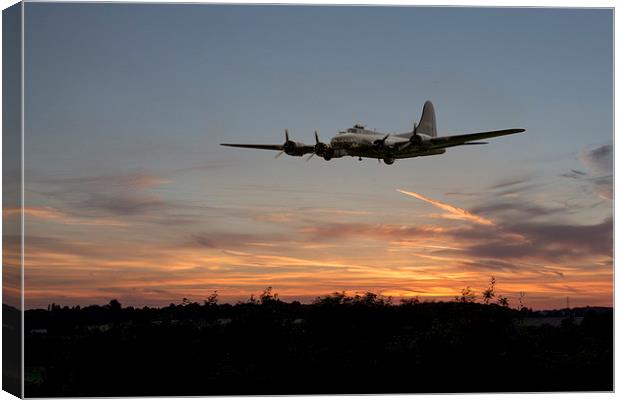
x=361, y=142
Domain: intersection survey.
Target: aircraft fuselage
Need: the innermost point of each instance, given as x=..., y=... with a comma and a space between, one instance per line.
x=372, y=144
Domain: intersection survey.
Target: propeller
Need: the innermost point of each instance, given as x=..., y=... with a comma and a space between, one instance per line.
x=414, y=139
x=288, y=147
x=320, y=148
x=380, y=143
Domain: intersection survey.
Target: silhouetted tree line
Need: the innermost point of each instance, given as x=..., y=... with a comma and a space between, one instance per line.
x=337, y=344
x=11, y=350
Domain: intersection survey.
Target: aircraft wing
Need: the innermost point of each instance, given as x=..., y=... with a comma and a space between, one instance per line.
x=299, y=150
x=457, y=140
x=256, y=146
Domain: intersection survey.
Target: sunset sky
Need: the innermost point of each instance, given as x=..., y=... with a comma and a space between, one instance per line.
x=129, y=195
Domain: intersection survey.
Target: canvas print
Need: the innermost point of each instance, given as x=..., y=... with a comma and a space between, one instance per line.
x=235, y=199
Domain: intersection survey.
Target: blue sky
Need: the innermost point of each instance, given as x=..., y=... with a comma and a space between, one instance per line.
x=126, y=106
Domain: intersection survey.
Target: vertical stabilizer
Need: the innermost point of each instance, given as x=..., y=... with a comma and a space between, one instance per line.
x=427, y=124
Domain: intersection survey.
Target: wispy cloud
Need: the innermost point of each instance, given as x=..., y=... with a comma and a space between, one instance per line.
x=52, y=214
x=123, y=204
x=134, y=179
x=598, y=163
x=508, y=183
x=453, y=212
x=604, y=186
x=574, y=173
x=599, y=159
x=132, y=197
x=523, y=208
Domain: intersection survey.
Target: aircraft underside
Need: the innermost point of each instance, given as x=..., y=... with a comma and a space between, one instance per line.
x=387, y=155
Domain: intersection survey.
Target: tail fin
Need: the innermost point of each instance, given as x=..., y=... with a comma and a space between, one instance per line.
x=427, y=124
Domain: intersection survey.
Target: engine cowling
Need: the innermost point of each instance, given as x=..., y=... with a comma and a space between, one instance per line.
x=328, y=154
x=322, y=149
x=420, y=139
x=293, y=148
x=379, y=144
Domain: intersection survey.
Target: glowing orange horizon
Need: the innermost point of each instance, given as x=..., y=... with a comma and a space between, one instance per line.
x=71, y=259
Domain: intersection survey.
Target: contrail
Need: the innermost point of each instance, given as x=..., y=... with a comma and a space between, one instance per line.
x=454, y=212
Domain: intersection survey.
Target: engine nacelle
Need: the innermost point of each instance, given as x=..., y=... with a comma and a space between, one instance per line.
x=324, y=150
x=294, y=148
x=420, y=139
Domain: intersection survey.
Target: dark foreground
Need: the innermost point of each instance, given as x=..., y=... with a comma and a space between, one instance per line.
x=337, y=345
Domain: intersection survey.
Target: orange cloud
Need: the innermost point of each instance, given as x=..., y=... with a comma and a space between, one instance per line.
x=317, y=256
x=51, y=214
x=453, y=212
x=37, y=212
x=145, y=273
